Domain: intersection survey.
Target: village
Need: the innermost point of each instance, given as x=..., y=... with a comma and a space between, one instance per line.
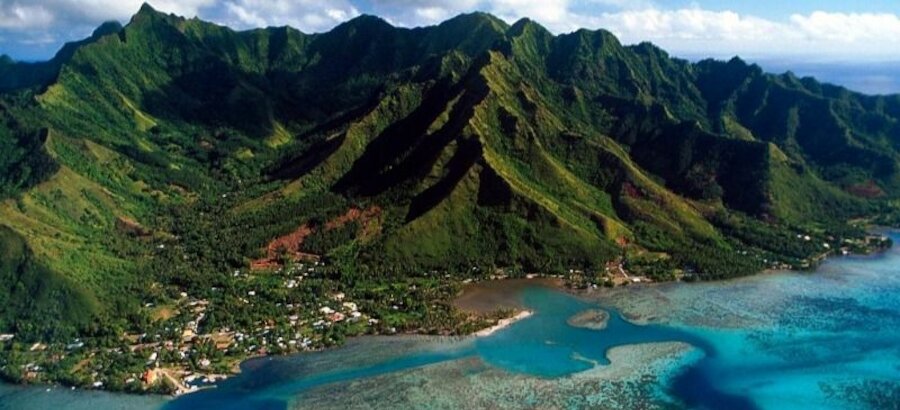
x=296, y=308
x=185, y=354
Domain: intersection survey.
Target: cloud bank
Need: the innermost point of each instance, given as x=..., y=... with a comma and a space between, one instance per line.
x=29, y=29
x=818, y=34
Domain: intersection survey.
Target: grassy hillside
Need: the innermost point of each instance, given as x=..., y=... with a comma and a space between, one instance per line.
x=38, y=302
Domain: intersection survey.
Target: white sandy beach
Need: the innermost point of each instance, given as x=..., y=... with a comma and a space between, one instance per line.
x=502, y=323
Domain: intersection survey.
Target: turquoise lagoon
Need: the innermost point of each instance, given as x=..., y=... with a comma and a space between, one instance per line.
x=829, y=339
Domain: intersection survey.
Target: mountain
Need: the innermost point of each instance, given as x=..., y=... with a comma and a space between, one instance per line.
x=158, y=157
x=15, y=75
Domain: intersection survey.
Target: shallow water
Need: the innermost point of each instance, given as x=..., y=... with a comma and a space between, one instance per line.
x=777, y=341
x=542, y=346
x=20, y=397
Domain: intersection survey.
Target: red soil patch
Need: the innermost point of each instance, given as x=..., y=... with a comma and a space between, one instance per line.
x=368, y=221
x=291, y=244
x=866, y=190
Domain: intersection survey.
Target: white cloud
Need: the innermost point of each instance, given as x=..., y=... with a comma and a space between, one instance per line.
x=625, y=4
x=430, y=14
x=552, y=13
x=411, y=13
x=848, y=28
x=18, y=14
x=687, y=24
x=306, y=15
x=247, y=17
x=698, y=31
x=691, y=30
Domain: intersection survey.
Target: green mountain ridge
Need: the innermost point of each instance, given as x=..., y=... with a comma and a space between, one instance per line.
x=159, y=156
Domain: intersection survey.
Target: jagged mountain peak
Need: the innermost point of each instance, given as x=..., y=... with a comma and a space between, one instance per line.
x=476, y=18
x=148, y=12
x=365, y=21
x=109, y=27
x=523, y=24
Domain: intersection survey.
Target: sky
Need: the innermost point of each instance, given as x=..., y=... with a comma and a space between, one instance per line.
x=798, y=30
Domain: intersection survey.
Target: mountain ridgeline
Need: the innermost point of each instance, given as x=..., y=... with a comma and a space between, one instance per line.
x=164, y=154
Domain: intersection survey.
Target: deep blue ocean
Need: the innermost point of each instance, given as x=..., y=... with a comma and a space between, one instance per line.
x=866, y=77
x=823, y=340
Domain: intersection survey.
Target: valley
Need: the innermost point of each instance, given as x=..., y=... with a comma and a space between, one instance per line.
x=178, y=197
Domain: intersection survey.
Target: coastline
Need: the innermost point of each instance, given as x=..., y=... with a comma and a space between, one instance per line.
x=723, y=319
x=503, y=323
x=503, y=290
x=485, y=332
x=488, y=296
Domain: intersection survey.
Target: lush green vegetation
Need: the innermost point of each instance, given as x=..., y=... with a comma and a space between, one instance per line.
x=23, y=161
x=173, y=155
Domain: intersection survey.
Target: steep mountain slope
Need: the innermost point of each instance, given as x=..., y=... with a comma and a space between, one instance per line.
x=156, y=157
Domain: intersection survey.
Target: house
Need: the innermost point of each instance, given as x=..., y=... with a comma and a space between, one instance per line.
x=188, y=335
x=149, y=376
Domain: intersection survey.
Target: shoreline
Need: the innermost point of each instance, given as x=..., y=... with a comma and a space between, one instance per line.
x=503, y=323
x=486, y=297
x=505, y=287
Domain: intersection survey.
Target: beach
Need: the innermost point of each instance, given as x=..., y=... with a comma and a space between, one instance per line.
x=502, y=323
